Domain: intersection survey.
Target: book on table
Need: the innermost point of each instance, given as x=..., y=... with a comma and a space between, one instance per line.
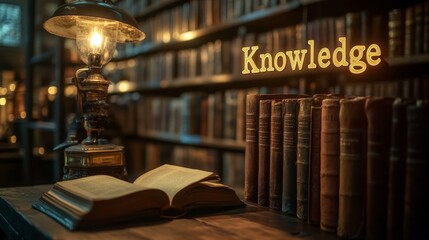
x=167, y=191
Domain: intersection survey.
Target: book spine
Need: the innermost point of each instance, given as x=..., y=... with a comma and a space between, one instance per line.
x=314, y=205
x=329, y=165
x=276, y=156
x=396, y=42
x=314, y=172
x=251, y=152
x=416, y=194
x=426, y=27
x=379, y=115
x=398, y=155
x=351, y=212
x=409, y=31
x=264, y=152
x=290, y=108
x=303, y=154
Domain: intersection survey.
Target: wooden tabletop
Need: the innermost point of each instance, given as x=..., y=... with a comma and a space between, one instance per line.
x=19, y=220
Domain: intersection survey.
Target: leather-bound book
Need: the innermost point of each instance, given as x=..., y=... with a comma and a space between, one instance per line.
x=398, y=156
x=251, y=151
x=264, y=151
x=314, y=178
x=303, y=156
x=276, y=156
x=379, y=115
x=290, y=111
x=417, y=174
x=329, y=164
x=353, y=127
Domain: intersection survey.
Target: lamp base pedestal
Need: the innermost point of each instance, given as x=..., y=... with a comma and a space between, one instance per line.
x=87, y=160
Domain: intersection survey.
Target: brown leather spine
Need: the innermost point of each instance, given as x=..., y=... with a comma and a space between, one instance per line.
x=276, y=156
x=379, y=115
x=353, y=127
x=264, y=152
x=329, y=164
x=251, y=152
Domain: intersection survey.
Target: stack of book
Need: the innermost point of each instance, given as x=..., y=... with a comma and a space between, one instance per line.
x=356, y=166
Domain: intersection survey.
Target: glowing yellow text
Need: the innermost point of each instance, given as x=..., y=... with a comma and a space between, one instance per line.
x=356, y=59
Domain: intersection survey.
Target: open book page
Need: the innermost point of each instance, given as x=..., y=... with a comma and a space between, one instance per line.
x=100, y=187
x=171, y=179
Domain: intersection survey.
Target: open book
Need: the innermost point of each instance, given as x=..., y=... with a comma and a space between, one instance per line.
x=167, y=191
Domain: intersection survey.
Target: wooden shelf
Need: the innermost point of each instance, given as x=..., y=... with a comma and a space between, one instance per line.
x=194, y=141
x=47, y=126
x=45, y=57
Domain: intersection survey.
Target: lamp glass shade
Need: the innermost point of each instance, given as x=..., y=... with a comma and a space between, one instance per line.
x=97, y=37
x=65, y=19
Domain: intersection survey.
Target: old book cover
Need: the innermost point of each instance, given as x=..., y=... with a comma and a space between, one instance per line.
x=276, y=156
x=329, y=164
x=353, y=128
x=398, y=155
x=314, y=169
x=396, y=33
x=416, y=207
x=379, y=115
x=290, y=115
x=303, y=155
x=264, y=130
x=167, y=191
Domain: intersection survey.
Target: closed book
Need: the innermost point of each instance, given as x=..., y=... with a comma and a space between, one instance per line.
x=251, y=151
x=398, y=155
x=416, y=194
x=396, y=36
x=379, y=115
x=290, y=111
x=353, y=127
x=303, y=156
x=276, y=156
x=314, y=165
x=329, y=164
x=264, y=151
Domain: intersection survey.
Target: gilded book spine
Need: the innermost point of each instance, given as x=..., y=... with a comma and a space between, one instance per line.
x=303, y=154
x=251, y=152
x=290, y=110
x=264, y=152
x=417, y=172
x=379, y=115
x=329, y=165
x=398, y=155
x=276, y=155
x=351, y=212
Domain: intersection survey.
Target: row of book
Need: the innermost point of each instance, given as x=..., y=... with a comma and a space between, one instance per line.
x=355, y=165
x=409, y=30
x=193, y=15
x=229, y=165
x=218, y=115
x=226, y=57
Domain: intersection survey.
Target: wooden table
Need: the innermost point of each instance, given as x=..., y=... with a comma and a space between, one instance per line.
x=18, y=220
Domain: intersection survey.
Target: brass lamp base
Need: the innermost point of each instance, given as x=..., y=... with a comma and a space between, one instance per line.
x=86, y=160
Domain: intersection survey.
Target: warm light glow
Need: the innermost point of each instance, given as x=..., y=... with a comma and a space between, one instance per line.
x=96, y=40
x=23, y=115
x=13, y=139
x=2, y=101
x=52, y=90
x=12, y=87
x=41, y=150
x=3, y=91
x=124, y=86
x=70, y=91
x=10, y=117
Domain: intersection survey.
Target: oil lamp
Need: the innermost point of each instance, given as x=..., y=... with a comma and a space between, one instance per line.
x=97, y=26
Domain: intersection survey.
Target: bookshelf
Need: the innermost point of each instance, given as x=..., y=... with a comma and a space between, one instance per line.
x=169, y=64
x=43, y=125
